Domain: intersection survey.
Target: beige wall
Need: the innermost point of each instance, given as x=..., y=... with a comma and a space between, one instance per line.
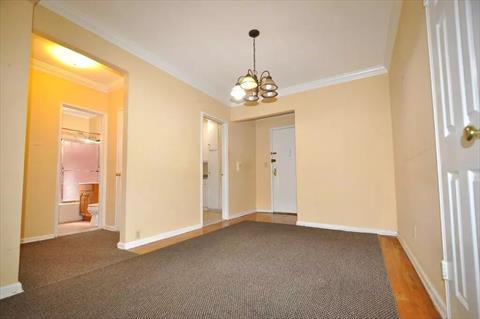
x=161, y=179
x=414, y=144
x=15, y=26
x=345, y=173
x=242, y=181
x=46, y=95
x=262, y=162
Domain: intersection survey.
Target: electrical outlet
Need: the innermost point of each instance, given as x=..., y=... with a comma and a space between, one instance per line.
x=137, y=234
x=445, y=270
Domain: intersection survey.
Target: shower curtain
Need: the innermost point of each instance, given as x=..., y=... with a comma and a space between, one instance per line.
x=80, y=164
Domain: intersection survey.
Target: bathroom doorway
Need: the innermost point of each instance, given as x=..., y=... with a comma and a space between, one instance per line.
x=74, y=128
x=214, y=166
x=81, y=167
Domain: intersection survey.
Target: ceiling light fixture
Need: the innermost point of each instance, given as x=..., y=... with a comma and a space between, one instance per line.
x=73, y=58
x=249, y=87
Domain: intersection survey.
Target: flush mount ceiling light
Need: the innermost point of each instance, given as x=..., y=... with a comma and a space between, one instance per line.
x=249, y=87
x=73, y=58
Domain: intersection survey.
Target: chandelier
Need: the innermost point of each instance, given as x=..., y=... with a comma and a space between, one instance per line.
x=248, y=87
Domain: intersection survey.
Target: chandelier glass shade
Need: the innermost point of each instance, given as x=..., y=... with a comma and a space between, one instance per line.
x=249, y=87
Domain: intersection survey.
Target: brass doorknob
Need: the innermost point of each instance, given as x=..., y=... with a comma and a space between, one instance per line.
x=470, y=133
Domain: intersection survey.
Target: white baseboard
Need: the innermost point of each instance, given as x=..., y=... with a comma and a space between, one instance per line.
x=436, y=299
x=384, y=232
x=110, y=228
x=264, y=210
x=240, y=214
x=151, y=239
x=36, y=238
x=10, y=290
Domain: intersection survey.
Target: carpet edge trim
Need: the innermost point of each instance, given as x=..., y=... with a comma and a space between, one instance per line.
x=377, y=231
x=434, y=296
x=10, y=290
x=147, y=240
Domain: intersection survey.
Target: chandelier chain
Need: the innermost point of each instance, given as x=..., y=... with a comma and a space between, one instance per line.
x=254, y=60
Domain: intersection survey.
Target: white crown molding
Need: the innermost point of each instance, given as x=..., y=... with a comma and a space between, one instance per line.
x=59, y=8
x=328, y=81
x=151, y=239
x=436, y=299
x=36, y=238
x=332, y=80
x=10, y=290
x=67, y=75
x=377, y=231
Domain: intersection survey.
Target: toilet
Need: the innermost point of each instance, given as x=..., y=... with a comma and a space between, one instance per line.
x=93, y=209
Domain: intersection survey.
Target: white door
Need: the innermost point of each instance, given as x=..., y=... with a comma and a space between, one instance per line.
x=284, y=181
x=454, y=44
x=214, y=166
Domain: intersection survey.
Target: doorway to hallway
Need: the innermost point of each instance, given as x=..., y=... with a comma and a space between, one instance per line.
x=214, y=165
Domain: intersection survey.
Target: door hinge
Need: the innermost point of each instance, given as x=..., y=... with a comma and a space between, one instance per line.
x=445, y=270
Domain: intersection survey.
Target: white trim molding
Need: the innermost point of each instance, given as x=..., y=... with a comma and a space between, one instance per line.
x=436, y=299
x=36, y=238
x=110, y=228
x=10, y=290
x=264, y=210
x=332, y=80
x=151, y=239
x=242, y=213
x=377, y=231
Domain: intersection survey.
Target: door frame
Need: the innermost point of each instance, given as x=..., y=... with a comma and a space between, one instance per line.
x=102, y=164
x=272, y=129
x=225, y=163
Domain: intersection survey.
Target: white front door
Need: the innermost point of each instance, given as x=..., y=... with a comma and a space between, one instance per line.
x=284, y=181
x=454, y=45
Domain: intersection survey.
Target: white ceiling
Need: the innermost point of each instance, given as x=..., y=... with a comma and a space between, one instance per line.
x=97, y=76
x=206, y=43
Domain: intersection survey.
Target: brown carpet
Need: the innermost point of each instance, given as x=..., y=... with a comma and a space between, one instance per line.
x=249, y=270
x=53, y=260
